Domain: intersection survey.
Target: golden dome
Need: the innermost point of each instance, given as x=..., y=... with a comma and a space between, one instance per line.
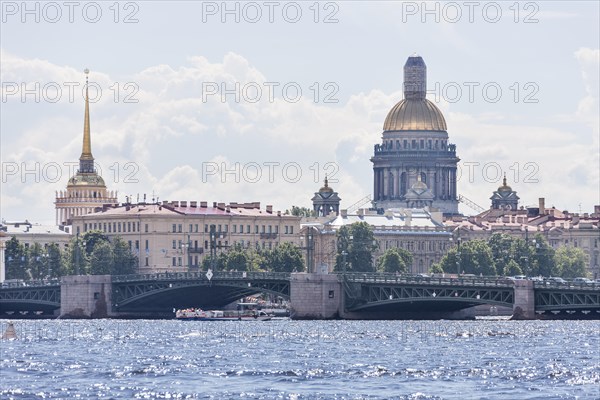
x=415, y=115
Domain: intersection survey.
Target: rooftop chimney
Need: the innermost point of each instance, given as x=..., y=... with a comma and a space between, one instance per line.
x=270, y=209
x=344, y=213
x=203, y=204
x=183, y=203
x=193, y=204
x=542, y=206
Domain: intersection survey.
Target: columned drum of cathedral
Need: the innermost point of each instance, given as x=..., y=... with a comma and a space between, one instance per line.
x=415, y=155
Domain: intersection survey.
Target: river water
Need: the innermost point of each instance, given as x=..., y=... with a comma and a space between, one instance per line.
x=483, y=359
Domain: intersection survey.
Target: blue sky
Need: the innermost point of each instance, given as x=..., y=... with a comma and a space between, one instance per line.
x=183, y=142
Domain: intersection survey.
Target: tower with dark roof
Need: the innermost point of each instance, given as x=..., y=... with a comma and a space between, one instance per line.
x=326, y=201
x=505, y=198
x=415, y=146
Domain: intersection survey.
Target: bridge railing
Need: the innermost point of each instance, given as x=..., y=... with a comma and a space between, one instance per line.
x=566, y=285
x=173, y=276
x=411, y=279
x=31, y=283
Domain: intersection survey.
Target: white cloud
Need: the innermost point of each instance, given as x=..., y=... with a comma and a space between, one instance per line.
x=171, y=136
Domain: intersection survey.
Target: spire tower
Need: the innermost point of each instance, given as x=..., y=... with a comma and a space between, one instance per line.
x=86, y=160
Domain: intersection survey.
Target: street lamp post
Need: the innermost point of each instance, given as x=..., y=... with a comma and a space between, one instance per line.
x=458, y=255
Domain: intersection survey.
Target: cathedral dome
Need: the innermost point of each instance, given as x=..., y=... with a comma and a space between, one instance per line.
x=415, y=115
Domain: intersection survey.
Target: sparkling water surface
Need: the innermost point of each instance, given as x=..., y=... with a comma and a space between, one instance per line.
x=139, y=359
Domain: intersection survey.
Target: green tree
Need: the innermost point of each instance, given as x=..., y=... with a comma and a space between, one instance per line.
x=237, y=259
x=507, y=251
x=15, y=259
x=358, y=241
x=436, y=269
x=91, y=238
x=76, y=261
x=286, y=257
x=37, y=265
x=300, y=212
x=102, y=259
x=220, y=263
x=125, y=262
x=475, y=257
x=512, y=269
x=571, y=262
x=543, y=257
x=54, y=260
x=395, y=260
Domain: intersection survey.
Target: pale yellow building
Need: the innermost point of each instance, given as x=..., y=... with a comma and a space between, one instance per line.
x=175, y=236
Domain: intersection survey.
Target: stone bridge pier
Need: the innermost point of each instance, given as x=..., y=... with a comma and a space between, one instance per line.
x=316, y=296
x=86, y=296
x=524, y=304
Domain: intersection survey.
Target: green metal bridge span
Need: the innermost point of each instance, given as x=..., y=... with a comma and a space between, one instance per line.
x=363, y=293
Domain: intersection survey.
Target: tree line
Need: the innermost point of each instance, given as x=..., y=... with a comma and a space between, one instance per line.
x=285, y=257
x=90, y=254
x=506, y=255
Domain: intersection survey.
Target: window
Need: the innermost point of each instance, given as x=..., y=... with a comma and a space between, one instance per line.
x=174, y=262
x=146, y=261
x=262, y=229
x=174, y=244
x=205, y=228
x=180, y=244
x=276, y=228
x=219, y=228
x=128, y=226
x=287, y=230
x=180, y=228
x=85, y=227
x=146, y=228
x=196, y=228
x=291, y=230
x=190, y=228
x=174, y=228
x=109, y=228
x=270, y=229
x=137, y=244
x=255, y=228
x=179, y=261
x=147, y=247
x=206, y=244
x=234, y=228
x=104, y=227
x=247, y=228
x=119, y=226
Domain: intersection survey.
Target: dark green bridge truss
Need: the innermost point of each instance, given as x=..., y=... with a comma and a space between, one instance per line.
x=43, y=297
x=165, y=291
x=362, y=292
x=558, y=297
x=381, y=292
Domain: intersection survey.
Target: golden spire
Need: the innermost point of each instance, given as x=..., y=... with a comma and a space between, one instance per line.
x=504, y=180
x=326, y=183
x=86, y=152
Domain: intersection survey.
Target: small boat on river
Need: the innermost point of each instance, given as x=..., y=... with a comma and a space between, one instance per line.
x=197, y=314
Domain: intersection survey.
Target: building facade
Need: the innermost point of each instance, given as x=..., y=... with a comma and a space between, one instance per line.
x=176, y=236
x=559, y=228
x=419, y=231
x=86, y=190
x=415, y=147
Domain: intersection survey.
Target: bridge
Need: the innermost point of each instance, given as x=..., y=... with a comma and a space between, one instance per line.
x=350, y=295
x=163, y=292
